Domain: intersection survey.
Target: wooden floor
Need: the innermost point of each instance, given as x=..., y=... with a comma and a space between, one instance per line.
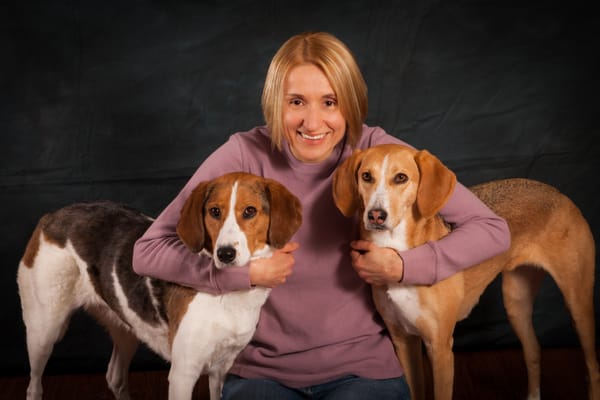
x=485, y=375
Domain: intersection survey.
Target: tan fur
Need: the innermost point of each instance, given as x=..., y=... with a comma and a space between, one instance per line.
x=548, y=234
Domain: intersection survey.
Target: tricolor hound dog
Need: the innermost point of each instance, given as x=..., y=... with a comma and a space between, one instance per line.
x=406, y=189
x=80, y=256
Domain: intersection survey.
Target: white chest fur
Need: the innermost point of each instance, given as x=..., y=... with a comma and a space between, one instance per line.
x=216, y=328
x=402, y=301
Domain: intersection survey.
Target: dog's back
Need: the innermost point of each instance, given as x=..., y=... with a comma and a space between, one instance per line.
x=546, y=229
x=531, y=206
x=80, y=256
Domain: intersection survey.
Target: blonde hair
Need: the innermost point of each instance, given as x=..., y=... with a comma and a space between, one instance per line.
x=336, y=61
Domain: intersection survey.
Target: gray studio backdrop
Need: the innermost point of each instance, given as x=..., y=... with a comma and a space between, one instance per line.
x=123, y=100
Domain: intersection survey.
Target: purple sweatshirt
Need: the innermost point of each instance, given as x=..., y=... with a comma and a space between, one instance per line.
x=321, y=323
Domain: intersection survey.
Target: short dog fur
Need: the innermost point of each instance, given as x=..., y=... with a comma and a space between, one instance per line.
x=80, y=257
x=548, y=233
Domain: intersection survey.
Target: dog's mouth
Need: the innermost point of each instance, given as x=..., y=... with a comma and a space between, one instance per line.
x=376, y=227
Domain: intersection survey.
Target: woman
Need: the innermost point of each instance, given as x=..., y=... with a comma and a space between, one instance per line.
x=318, y=334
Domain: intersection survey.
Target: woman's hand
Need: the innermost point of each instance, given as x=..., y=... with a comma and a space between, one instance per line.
x=273, y=271
x=376, y=265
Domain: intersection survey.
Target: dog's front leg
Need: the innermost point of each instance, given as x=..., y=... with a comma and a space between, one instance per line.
x=442, y=366
x=408, y=347
x=410, y=354
x=215, y=384
x=191, y=356
x=182, y=382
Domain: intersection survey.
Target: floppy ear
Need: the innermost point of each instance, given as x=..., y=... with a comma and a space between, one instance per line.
x=345, y=189
x=285, y=213
x=190, y=227
x=436, y=183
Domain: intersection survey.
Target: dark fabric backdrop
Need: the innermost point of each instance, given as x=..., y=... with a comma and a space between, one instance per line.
x=123, y=100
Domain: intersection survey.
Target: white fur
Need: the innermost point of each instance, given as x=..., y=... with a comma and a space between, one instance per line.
x=210, y=345
x=379, y=198
x=232, y=235
x=406, y=308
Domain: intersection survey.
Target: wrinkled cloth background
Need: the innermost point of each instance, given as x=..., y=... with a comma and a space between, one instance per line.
x=123, y=100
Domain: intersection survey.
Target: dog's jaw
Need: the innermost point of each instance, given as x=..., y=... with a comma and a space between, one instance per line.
x=395, y=238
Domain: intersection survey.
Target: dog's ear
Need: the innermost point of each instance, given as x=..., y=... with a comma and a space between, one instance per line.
x=436, y=183
x=285, y=213
x=190, y=227
x=345, y=189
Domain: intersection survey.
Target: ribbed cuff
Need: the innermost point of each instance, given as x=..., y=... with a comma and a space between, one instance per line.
x=419, y=265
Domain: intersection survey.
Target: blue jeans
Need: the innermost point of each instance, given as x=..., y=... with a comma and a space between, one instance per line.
x=346, y=388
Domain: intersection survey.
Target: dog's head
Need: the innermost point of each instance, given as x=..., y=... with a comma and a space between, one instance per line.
x=238, y=216
x=388, y=183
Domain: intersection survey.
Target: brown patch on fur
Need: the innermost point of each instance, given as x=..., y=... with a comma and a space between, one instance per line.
x=177, y=299
x=33, y=246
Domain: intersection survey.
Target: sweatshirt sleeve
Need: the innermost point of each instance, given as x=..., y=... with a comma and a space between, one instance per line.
x=159, y=253
x=477, y=234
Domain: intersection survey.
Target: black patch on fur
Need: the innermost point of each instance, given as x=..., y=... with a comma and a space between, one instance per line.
x=103, y=235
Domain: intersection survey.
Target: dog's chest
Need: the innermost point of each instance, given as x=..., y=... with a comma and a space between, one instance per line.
x=402, y=306
x=218, y=327
x=399, y=303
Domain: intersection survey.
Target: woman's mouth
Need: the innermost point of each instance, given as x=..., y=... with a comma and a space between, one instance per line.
x=313, y=137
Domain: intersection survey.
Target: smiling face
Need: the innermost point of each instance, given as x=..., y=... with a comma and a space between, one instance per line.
x=313, y=122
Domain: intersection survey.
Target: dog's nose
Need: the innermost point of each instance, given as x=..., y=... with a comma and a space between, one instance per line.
x=377, y=216
x=226, y=254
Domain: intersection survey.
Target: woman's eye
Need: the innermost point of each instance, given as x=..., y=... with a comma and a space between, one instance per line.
x=215, y=212
x=249, y=212
x=296, y=102
x=366, y=176
x=400, y=178
x=330, y=103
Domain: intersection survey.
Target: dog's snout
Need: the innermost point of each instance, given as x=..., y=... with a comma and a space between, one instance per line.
x=226, y=254
x=377, y=216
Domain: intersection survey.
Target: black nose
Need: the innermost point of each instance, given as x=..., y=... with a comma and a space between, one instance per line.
x=226, y=254
x=377, y=216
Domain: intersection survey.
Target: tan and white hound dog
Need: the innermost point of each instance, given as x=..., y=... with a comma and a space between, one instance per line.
x=80, y=257
x=406, y=188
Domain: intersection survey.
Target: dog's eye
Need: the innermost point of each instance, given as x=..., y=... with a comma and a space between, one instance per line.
x=215, y=212
x=249, y=212
x=400, y=178
x=367, y=177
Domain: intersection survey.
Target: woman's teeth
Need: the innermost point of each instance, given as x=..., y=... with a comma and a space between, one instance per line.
x=317, y=137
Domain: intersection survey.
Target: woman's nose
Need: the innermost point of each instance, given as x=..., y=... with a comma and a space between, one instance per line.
x=312, y=119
